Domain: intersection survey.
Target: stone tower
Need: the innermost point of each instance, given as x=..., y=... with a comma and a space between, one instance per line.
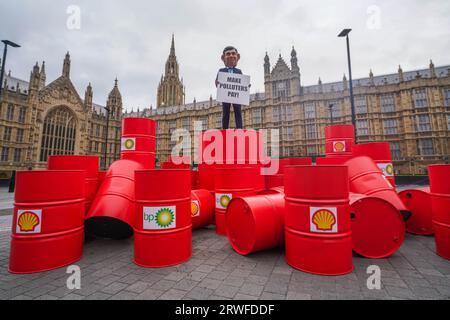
x=170, y=88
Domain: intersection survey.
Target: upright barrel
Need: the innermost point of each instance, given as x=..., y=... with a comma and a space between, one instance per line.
x=339, y=140
x=255, y=223
x=48, y=220
x=89, y=164
x=230, y=183
x=317, y=222
x=163, y=227
x=418, y=201
x=206, y=176
x=138, y=141
x=439, y=175
x=366, y=178
x=202, y=208
x=112, y=212
x=378, y=229
x=380, y=152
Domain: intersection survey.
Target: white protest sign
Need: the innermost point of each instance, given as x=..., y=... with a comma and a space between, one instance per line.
x=233, y=88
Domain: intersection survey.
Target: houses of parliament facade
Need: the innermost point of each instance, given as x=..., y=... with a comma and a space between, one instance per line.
x=408, y=109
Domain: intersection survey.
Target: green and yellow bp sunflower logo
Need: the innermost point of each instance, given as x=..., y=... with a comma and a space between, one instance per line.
x=224, y=200
x=164, y=217
x=390, y=169
x=129, y=144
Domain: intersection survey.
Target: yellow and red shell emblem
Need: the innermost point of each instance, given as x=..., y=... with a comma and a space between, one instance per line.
x=339, y=146
x=324, y=220
x=194, y=208
x=28, y=221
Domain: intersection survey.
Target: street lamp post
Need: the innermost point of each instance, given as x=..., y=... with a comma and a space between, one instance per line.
x=2, y=72
x=330, y=106
x=344, y=33
x=106, y=136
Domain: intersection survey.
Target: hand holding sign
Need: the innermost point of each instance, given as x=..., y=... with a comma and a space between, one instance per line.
x=233, y=88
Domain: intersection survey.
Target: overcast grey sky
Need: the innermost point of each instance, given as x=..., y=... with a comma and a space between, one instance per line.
x=131, y=40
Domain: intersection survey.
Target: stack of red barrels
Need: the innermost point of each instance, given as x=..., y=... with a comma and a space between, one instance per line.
x=321, y=213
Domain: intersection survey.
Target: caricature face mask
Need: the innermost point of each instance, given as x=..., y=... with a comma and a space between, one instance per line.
x=230, y=58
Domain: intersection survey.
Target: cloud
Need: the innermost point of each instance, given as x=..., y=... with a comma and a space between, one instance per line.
x=131, y=40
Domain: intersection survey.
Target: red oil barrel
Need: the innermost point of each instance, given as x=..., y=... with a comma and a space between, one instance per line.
x=231, y=146
x=255, y=223
x=76, y=162
x=112, y=212
x=274, y=190
x=439, y=175
x=101, y=177
x=202, y=208
x=47, y=228
x=378, y=229
x=366, y=178
x=229, y=183
x=194, y=179
x=418, y=201
x=339, y=140
x=300, y=161
x=332, y=160
x=206, y=176
x=171, y=165
x=380, y=152
x=317, y=221
x=138, y=141
x=163, y=227
x=275, y=180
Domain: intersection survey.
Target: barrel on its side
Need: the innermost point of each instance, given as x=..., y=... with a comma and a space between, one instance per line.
x=202, y=208
x=418, y=201
x=378, y=229
x=255, y=223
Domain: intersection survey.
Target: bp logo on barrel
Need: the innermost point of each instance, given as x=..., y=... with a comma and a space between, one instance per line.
x=387, y=169
x=338, y=146
x=29, y=221
x=159, y=217
x=223, y=199
x=128, y=144
x=323, y=219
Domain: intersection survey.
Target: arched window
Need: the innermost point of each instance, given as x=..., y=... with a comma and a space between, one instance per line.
x=59, y=132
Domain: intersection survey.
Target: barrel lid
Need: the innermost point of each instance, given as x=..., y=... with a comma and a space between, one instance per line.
x=378, y=229
x=241, y=226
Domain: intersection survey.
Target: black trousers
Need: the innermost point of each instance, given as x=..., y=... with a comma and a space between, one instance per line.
x=226, y=115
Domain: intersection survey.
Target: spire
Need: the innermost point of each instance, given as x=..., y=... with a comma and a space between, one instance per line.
x=114, y=102
x=266, y=64
x=344, y=81
x=320, y=82
x=432, y=70
x=66, y=66
x=400, y=74
x=294, y=62
x=42, y=76
x=88, y=96
x=172, y=46
x=371, y=77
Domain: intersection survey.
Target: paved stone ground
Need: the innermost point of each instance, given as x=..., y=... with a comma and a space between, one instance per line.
x=215, y=271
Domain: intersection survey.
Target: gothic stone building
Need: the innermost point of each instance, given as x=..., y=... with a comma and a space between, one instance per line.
x=410, y=110
x=39, y=119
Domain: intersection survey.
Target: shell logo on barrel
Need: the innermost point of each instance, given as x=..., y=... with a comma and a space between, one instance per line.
x=323, y=219
x=222, y=200
x=195, y=208
x=159, y=217
x=338, y=146
x=128, y=144
x=29, y=221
